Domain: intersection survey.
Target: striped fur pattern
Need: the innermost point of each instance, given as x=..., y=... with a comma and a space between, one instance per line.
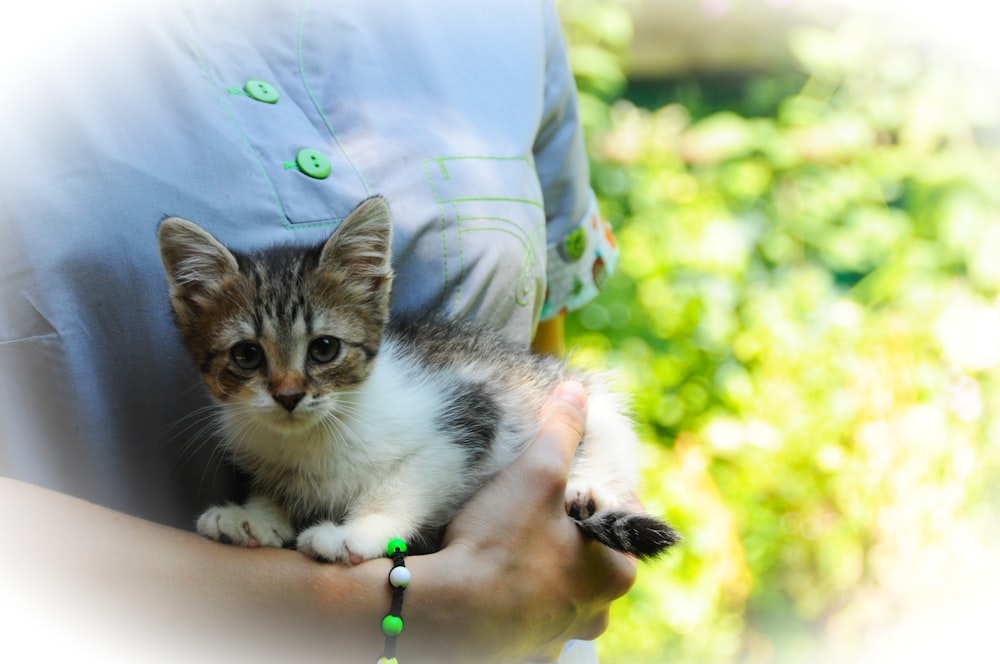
x=356, y=429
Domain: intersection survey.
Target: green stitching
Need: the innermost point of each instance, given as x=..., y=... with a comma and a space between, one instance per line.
x=526, y=242
x=461, y=258
x=325, y=223
x=319, y=109
x=447, y=176
x=192, y=42
x=525, y=272
x=523, y=287
x=444, y=221
x=497, y=198
x=469, y=156
x=523, y=235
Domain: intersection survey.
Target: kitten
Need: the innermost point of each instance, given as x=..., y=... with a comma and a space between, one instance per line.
x=356, y=429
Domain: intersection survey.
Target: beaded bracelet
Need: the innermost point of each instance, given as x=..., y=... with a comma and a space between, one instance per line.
x=399, y=578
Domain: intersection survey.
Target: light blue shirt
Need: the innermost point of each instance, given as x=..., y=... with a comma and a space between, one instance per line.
x=266, y=122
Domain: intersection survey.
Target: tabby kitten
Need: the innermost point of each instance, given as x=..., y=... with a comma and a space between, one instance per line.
x=356, y=429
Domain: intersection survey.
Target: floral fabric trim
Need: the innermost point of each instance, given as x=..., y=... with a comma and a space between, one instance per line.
x=579, y=265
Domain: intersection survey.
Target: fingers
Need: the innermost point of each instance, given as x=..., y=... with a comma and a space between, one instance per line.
x=568, y=402
x=563, y=418
x=595, y=628
x=620, y=571
x=529, y=555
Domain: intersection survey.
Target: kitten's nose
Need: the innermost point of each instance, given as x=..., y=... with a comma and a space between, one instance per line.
x=289, y=399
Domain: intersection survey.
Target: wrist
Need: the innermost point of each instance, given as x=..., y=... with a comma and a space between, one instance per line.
x=442, y=622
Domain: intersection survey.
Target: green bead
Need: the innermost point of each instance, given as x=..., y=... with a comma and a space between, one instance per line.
x=386, y=660
x=395, y=543
x=392, y=625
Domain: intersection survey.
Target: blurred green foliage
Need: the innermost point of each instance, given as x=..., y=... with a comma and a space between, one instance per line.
x=806, y=314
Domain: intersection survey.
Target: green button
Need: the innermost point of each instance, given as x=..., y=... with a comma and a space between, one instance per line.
x=261, y=91
x=313, y=163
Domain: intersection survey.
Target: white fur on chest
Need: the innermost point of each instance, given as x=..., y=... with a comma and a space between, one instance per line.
x=383, y=436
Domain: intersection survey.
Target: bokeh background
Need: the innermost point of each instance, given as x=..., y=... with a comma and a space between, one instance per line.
x=806, y=199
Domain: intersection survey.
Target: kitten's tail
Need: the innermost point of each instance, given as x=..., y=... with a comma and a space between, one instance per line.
x=634, y=533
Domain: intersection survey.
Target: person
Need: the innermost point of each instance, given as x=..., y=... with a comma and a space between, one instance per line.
x=266, y=122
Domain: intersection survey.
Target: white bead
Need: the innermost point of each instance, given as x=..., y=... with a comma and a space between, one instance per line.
x=399, y=577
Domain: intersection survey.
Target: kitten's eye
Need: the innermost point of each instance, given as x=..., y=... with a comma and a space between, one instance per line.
x=324, y=349
x=246, y=355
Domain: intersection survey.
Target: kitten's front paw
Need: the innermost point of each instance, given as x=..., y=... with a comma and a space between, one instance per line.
x=252, y=525
x=329, y=542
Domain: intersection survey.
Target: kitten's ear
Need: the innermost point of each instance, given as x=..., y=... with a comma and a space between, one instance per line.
x=196, y=262
x=362, y=243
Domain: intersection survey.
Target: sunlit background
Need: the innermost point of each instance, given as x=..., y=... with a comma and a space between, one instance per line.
x=806, y=198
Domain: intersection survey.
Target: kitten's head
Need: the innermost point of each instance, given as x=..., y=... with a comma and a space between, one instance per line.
x=280, y=334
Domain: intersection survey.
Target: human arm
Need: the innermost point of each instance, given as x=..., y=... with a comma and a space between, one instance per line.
x=515, y=578
x=581, y=252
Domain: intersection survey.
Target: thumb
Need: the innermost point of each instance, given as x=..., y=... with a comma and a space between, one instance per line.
x=562, y=419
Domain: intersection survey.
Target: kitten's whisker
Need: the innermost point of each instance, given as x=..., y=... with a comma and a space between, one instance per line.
x=197, y=385
x=193, y=419
x=216, y=460
x=334, y=427
x=194, y=430
x=344, y=426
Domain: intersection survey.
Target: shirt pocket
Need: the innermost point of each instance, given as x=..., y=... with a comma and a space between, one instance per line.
x=492, y=218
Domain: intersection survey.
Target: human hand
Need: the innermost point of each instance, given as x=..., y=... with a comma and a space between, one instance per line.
x=532, y=580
